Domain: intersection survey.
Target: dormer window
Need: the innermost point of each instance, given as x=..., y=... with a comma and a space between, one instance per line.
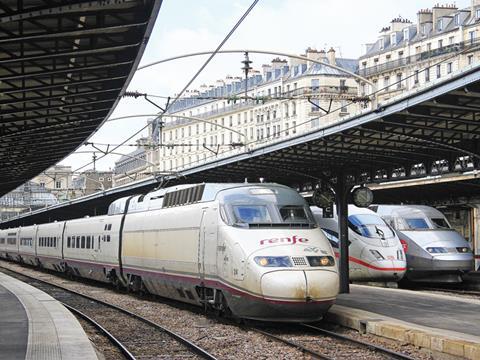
x=439, y=24
x=382, y=43
x=406, y=34
x=393, y=39
x=424, y=29
x=456, y=19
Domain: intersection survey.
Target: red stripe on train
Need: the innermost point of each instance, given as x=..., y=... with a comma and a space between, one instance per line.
x=363, y=263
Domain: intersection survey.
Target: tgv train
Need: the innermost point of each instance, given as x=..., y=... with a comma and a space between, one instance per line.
x=435, y=252
x=375, y=252
x=250, y=249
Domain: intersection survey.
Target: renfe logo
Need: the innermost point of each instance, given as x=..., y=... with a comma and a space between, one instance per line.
x=293, y=240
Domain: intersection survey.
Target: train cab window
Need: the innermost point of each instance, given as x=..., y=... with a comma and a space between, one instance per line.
x=371, y=226
x=252, y=214
x=417, y=224
x=88, y=241
x=294, y=214
x=440, y=223
x=83, y=242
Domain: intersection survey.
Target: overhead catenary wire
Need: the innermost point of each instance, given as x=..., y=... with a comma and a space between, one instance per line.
x=242, y=18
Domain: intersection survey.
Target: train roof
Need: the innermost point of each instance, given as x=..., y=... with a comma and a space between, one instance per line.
x=179, y=195
x=352, y=210
x=406, y=211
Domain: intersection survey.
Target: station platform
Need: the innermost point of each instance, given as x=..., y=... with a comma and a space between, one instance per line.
x=33, y=325
x=440, y=323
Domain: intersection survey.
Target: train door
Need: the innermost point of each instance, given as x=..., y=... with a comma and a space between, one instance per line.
x=207, y=245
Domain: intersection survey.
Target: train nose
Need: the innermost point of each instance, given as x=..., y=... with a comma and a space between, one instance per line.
x=300, y=285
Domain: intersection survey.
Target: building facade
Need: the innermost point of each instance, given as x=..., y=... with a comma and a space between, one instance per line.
x=57, y=180
x=92, y=181
x=234, y=115
x=408, y=56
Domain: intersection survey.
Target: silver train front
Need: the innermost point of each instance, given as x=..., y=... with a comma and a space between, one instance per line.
x=375, y=251
x=435, y=252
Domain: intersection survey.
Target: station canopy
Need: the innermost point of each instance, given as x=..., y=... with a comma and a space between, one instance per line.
x=63, y=65
x=428, y=132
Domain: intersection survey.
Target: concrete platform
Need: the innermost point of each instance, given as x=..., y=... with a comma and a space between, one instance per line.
x=33, y=325
x=440, y=323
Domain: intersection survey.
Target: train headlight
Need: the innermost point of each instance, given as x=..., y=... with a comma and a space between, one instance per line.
x=321, y=260
x=436, y=250
x=463, y=249
x=377, y=255
x=273, y=261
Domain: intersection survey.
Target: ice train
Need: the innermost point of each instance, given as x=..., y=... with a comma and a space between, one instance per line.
x=250, y=249
x=375, y=251
x=435, y=252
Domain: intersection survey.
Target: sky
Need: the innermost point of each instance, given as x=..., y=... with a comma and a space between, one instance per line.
x=289, y=26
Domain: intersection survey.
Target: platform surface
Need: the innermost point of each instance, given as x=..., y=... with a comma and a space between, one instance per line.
x=444, y=312
x=33, y=325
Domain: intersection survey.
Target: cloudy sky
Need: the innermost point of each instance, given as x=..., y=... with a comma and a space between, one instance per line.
x=290, y=26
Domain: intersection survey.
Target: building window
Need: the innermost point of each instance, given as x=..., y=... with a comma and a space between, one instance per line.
x=382, y=43
x=315, y=84
x=456, y=19
x=477, y=13
x=294, y=108
x=439, y=71
x=449, y=68
x=42, y=184
x=439, y=24
x=415, y=77
x=294, y=127
x=58, y=184
x=393, y=39
x=470, y=59
x=423, y=29
x=386, y=82
x=451, y=40
x=429, y=46
x=440, y=44
x=427, y=74
x=343, y=106
x=399, y=81
x=406, y=34
x=471, y=36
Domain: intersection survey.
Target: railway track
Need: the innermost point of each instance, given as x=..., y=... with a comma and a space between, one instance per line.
x=134, y=335
x=325, y=347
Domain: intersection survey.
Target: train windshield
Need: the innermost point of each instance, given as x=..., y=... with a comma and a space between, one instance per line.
x=417, y=224
x=370, y=226
x=265, y=207
x=440, y=223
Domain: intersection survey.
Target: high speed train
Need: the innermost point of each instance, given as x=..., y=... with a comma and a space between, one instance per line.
x=375, y=251
x=435, y=252
x=253, y=250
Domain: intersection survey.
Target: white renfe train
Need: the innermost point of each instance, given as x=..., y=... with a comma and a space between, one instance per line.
x=250, y=249
x=435, y=251
x=375, y=251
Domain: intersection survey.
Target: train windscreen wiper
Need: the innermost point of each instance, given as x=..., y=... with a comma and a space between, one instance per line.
x=380, y=232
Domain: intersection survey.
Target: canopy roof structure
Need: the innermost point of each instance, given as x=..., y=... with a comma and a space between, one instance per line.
x=63, y=65
x=429, y=132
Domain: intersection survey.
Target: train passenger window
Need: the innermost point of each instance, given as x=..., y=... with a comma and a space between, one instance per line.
x=78, y=242
x=105, y=228
x=83, y=242
x=440, y=223
x=55, y=241
x=108, y=238
x=88, y=241
x=68, y=241
x=109, y=226
x=252, y=214
x=415, y=224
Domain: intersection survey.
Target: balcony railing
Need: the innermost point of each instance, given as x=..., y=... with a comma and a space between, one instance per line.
x=394, y=64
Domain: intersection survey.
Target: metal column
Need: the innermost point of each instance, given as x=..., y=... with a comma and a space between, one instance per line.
x=342, y=191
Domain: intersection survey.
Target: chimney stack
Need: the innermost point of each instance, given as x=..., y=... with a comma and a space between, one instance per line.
x=331, y=57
